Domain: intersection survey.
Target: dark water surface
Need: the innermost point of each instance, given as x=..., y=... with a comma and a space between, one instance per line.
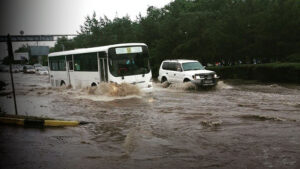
x=233, y=126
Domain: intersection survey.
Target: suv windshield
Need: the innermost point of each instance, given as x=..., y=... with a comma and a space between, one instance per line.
x=125, y=64
x=192, y=66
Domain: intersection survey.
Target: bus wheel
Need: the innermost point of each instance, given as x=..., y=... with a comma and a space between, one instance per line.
x=62, y=83
x=93, y=84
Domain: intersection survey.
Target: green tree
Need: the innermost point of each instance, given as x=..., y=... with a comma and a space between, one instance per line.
x=227, y=31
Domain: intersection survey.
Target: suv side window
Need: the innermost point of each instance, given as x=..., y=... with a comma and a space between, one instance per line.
x=177, y=66
x=172, y=66
x=165, y=66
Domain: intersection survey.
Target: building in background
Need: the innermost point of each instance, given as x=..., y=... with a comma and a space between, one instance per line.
x=39, y=54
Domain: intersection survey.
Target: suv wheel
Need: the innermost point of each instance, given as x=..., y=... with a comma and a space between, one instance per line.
x=163, y=79
x=186, y=80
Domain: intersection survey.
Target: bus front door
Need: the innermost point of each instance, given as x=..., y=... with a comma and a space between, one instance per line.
x=69, y=69
x=103, y=69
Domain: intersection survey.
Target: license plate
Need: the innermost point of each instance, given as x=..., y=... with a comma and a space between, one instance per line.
x=208, y=81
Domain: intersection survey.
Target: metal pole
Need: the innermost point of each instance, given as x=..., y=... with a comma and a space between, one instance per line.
x=11, y=59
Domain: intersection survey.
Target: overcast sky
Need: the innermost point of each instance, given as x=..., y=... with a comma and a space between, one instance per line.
x=36, y=17
x=64, y=16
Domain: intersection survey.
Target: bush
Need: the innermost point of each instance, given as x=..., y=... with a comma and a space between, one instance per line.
x=294, y=58
x=273, y=72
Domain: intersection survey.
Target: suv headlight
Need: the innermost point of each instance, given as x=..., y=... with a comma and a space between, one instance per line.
x=215, y=76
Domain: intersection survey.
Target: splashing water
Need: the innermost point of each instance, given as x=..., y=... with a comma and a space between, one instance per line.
x=110, y=92
x=178, y=86
x=189, y=86
x=210, y=123
x=222, y=85
x=165, y=84
x=112, y=89
x=102, y=92
x=183, y=86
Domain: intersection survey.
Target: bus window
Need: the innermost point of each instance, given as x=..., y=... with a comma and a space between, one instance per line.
x=77, y=66
x=70, y=65
x=86, y=62
x=57, y=63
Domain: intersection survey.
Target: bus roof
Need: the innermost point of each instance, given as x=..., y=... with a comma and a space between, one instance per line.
x=93, y=49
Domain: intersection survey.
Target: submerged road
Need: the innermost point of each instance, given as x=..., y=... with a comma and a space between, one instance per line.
x=237, y=125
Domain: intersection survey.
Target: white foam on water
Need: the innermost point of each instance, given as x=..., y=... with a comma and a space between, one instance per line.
x=176, y=86
x=222, y=85
x=109, y=92
x=189, y=86
x=105, y=98
x=183, y=86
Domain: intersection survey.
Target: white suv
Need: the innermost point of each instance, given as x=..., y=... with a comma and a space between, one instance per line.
x=178, y=71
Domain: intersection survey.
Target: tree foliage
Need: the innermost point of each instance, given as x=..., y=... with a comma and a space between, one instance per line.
x=23, y=48
x=227, y=31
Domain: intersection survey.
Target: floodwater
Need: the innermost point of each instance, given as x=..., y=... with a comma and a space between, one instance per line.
x=235, y=125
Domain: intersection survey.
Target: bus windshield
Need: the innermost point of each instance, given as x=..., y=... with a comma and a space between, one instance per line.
x=125, y=63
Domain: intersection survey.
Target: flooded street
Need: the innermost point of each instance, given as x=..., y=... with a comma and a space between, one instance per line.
x=233, y=126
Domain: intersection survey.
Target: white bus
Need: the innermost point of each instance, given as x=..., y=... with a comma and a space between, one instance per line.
x=120, y=63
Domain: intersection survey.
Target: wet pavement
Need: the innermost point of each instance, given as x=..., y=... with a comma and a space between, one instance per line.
x=236, y=125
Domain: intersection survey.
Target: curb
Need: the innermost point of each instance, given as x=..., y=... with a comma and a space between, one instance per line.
x=39, y=122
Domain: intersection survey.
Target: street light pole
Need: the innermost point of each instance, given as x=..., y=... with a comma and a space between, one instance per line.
x=11, y=58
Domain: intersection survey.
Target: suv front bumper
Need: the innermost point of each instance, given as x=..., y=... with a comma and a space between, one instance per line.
x=205, y=82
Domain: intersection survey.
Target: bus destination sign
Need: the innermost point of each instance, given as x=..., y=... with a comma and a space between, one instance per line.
x=136, y=49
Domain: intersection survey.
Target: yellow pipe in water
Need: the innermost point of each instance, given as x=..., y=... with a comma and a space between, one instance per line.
x=9, y=120
x=38, y=122
x=58, y=123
